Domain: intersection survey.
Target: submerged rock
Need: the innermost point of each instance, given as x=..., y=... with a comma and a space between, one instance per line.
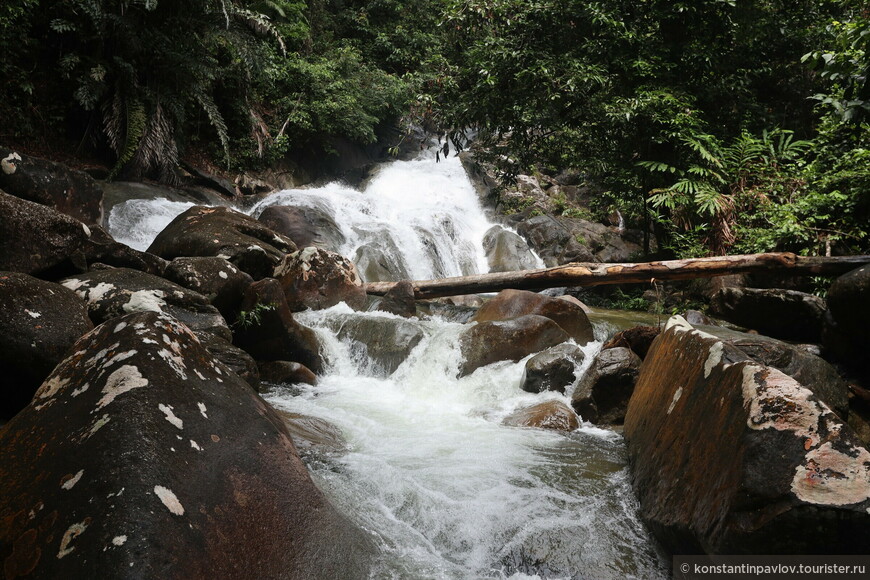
x=729, y=456
x=553, y=415
x=140, y=456
x=509, y=304
x=489, y=342
x=40, y=321
x=224, y=233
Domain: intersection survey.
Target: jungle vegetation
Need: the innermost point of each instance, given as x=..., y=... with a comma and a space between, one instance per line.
x=724, y=126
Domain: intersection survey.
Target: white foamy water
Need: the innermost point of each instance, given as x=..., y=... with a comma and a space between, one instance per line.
x=450, y=493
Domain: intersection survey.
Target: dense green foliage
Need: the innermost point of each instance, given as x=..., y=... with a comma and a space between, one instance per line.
x=719, y=125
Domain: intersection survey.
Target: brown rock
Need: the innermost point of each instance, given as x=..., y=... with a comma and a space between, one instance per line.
x=510, y=304
x=142, y=450
x=553, y=415
x=282, y=371
x=489, y=342
x=602, y=395
x=729, y=456
x=316, y=279
x=638, y=339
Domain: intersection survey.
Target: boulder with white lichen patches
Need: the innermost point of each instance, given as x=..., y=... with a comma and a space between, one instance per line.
x=118, y=291
x=40, y=321
x=729, y=456
x=224, y=233
x=216, y=278
x=315, y=278
x=142, y=457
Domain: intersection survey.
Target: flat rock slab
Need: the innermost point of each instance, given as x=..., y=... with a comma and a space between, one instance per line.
x=141, y=457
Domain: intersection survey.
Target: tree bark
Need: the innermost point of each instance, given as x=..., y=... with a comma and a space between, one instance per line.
x=594, y=274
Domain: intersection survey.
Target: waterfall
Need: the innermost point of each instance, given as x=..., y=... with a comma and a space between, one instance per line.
x=445, y=490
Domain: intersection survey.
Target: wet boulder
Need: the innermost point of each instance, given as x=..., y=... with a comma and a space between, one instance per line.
x=384, y=342
x=786, y=314
x=510, y=304
x=602, y=395
x=224, y=233
x=40, y=321
x=507, y=251
x=72, y=192
x=267, y=330
x=118, y=291
x=553, y=415
x=215, y=278
x=729, y=456
x=493, y=341
x=313, y=434
x=316, y=279
x=306, y=226
x=141, y=456
x=286, y=372
x=553, y=369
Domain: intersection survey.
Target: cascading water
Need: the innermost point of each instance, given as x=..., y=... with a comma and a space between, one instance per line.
x=445, y=489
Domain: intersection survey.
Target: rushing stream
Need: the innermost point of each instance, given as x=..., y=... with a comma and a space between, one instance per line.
x=426, y=466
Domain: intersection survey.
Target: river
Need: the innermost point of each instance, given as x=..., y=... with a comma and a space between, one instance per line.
x=426, y=467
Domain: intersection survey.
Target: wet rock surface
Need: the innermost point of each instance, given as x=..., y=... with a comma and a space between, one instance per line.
x=268, y=330
x=286, y=372
x=515, y=338
x=399, y=300
x=215, y=278
x=729, y=456
x=40, y=321
x=602, y=395
x=552, y=370
x=316, y=279
x=224, y=233
x=384, y=342
x=509, y=304
x=507, y=251
x=638, y=339
x=141, y=456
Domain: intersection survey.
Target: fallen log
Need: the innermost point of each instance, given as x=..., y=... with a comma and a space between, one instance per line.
x=595, y=274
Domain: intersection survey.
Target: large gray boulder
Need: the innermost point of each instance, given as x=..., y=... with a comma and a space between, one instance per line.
x=141, y=457
x=509, y=304
x=507, y=251
x=224, y=233
x=553, y=369
x=560, y=240
x=489, y=342
x=40, y=321
x=384, y=342
x=729, y=456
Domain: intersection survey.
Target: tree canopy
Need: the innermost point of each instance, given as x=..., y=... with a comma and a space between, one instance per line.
x=721, y=125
